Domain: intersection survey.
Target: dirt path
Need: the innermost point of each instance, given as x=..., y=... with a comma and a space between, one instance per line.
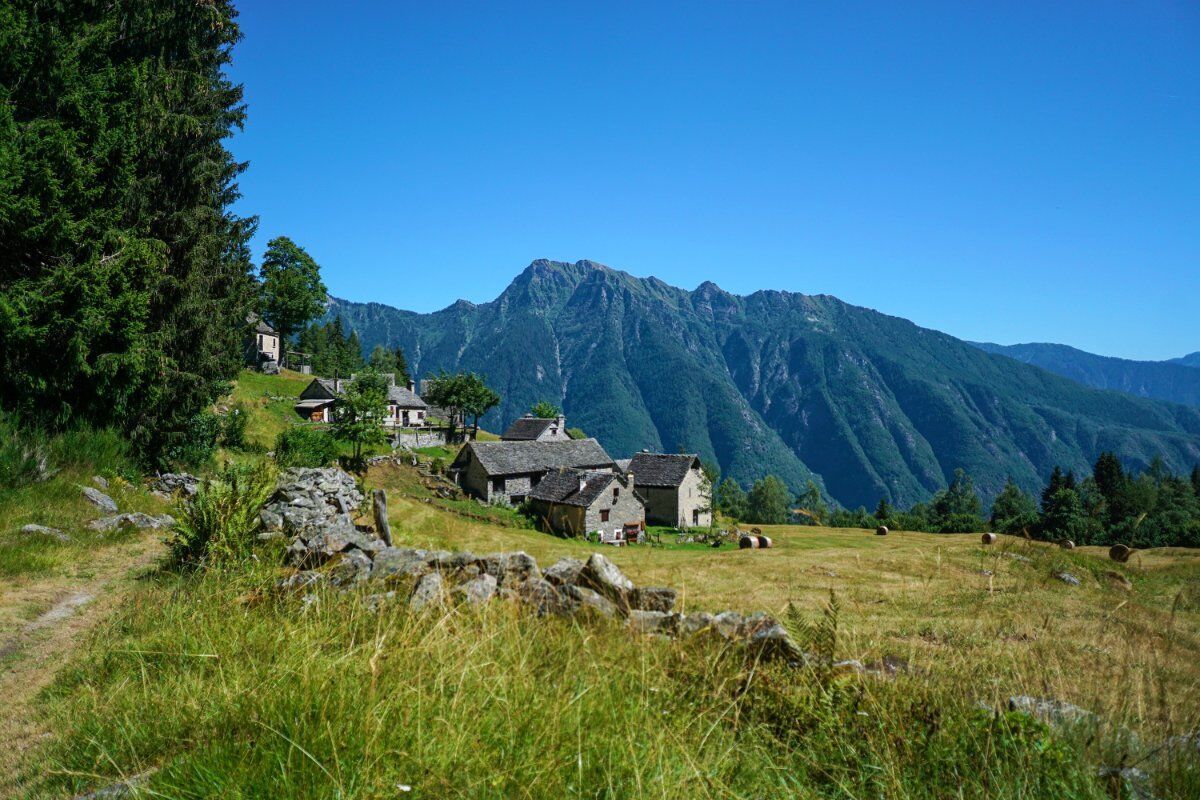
x=65, y=608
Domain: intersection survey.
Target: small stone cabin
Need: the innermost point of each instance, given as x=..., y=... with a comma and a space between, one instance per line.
x=506, y=472
x=536, y=429
x=262, y=343
x=576, y=502
x=672, y=487
x=405, y=409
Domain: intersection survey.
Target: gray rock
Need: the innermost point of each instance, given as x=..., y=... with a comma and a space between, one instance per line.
x=374, y=602
x=1019, y=557
x=100, y=482
x=100, y=500
x=510, y=568
x=452, y=562
x=605, y=577
x=659, y=622
x=695, y=622
x=563, y=572
x=587, y=599
x=127, y=788
x=1068, y=579
x=653, y=598
x=477, y=590
x=729, y=624
x=430, y=590
x=398, y=561
x=544, y=598
x=766, y=636
x=301, y=580
x=135, y=519
x=43, y=530
x=351, y=567
x=170, y=483
x=1051, y=711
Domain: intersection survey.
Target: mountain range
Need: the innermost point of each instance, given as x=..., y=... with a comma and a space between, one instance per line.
x=1177, y=380
x=801, y=386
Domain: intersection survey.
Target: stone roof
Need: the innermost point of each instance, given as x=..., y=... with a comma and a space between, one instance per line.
x=574, y=487
x=526, y=428
x=256, y=322
x=517, y=458
x=662, y=469
x=401, y=397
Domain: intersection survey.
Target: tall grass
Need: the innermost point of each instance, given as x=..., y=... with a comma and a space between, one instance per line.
x=228, y=690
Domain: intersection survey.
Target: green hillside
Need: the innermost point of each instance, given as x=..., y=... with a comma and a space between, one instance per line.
x=797, y=385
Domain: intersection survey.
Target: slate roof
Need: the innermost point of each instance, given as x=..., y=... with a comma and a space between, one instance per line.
x=661, y=469
x=562, y=486
x=517, y=458
x=259, y=326
x=400, y=396
x=526, y=429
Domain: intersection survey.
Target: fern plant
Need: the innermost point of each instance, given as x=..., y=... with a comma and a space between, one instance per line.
x=219, y=524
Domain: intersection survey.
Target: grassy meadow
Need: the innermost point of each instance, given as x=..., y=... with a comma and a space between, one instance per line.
x=215, y=684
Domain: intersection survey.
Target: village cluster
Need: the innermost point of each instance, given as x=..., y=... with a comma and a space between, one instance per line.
x=572, y=486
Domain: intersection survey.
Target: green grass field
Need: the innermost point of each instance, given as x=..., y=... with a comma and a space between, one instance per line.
x=213, y=684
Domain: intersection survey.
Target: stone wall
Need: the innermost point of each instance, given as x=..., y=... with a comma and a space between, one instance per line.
x=424, y=437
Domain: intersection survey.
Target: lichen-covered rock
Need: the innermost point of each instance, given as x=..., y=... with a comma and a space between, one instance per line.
x=603, y=576
x=729, y=624
x=545, y=598
x=564, y=572
x=170, y=483
x=100, y=482
x=478, y=590
x=135, y=519
x=510, y=568
x=46, y=531
x=391, y=561
x=695, y=622
x=659, y=622
x=100, y=500
x=589, y=600
x=349, y=568
x=430, y=590
x=1068, y=578
x=652, y=598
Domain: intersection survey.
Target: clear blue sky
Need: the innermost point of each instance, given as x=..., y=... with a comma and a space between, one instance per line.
x=1007, y=172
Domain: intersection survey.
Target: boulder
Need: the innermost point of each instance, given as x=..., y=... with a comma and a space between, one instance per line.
x=729, y=624
x=606, y=578
x=652, y=598
x=1051, y=711
x=584, y=599
x=1068, y=578
x=430, y=590
x=563, y=572
x=477, y=590
x=100, y=500
x=46, y=531
x=452, y=562
x=545, y=598
x=135, y=519
x=398, y=561
x=1120, y=553
x=695, y=622
x=510, y=568
x=659, y=622
x=170, y=483
x=100, y=482
x=350, y=567
x=882, y=530
x=769, y=639
x=988, y=538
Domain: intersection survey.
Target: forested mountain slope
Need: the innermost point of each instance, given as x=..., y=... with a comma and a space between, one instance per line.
x=1177, y=380
x=774, y=382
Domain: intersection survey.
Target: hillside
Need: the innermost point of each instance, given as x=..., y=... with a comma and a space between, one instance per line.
x=797, y=385
x=1176, y=381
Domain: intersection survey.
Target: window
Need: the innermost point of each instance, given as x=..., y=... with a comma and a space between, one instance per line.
x=616, y=493
x=260, y=341
x=497, y=485
x=695, y=516
x=604, y=515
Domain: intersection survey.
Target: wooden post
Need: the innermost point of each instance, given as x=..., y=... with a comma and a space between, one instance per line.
x=382, y=529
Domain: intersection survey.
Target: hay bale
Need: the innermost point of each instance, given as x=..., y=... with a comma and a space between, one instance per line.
x=748, y=542
x=764, y=542
x=1067, y=544
x=988, y=538
x=1120, y=553
x=882, y=530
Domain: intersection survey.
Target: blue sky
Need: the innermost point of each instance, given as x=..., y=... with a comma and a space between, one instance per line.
x=1007, y=172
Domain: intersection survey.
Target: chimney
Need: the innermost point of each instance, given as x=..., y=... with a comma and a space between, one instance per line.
x=412, y=386
x=582, y=482
x=561, y=421
x=629, y=478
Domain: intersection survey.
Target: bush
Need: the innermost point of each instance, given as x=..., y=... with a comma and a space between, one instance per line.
x=438, y=466
x=194, y=445
x=301, y=446
x=219, y=523
x=233, y=427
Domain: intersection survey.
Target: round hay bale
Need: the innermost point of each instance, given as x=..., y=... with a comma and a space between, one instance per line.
x=882, y=530
x=748, y=542
x=1120, y=553
x=1067, y=544
x=988, y=538
x=764, y=542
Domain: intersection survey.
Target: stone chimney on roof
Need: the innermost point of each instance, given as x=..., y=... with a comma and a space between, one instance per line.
x=412, y=386
x=562, y=422
x=582, y=482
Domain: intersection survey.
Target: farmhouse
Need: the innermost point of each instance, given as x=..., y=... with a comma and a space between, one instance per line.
x=672, y=486
x=405, y=409
x=577, y=502
x=536, y=429
x=262, y=343
x=506, y=472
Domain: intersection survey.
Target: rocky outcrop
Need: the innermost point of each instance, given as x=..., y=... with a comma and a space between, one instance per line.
x=327, y=549
x=44, y=531
x=168, y=484
x=100, y=500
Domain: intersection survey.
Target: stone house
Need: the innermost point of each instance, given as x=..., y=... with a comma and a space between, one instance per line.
x=404, y=410
x=506, y=472
x=577, y=502
x=672, y=486
x=536, y=429
x=262, y=349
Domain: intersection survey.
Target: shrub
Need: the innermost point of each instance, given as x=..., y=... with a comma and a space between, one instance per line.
x=438, y=466
x=194, y=445
x=301, y=446
x=233, y=427
x=219, y=523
